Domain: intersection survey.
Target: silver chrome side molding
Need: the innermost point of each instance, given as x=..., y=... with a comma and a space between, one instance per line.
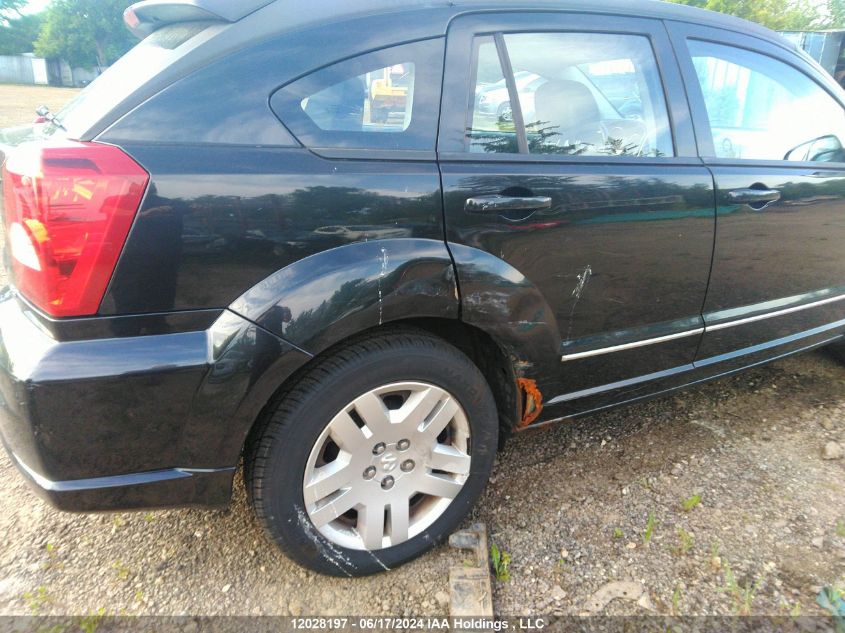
x=634, y=345
x=710, y=328
x=776, y=313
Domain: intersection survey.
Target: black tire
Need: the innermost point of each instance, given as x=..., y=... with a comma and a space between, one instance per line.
x=278, y=453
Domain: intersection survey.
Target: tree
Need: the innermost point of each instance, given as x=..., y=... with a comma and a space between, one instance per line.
x=836, y=14
x=11, y=6
x=85, y=32
x=781, y=15
x=10, y=9
x=18, y=36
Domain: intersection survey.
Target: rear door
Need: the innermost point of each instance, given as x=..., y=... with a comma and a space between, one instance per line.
x=566, y=151
x=772, y=131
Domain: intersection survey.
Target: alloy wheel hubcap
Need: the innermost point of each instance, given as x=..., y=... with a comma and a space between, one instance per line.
x=387, y=466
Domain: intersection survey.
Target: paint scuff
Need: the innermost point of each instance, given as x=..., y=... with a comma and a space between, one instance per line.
x=583, y=280
x=577, y=293
x=385, y=260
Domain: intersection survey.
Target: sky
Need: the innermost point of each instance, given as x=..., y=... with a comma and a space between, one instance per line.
x=34, y=6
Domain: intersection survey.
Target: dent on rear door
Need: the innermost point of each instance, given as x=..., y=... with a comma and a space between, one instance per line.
x=619, y=256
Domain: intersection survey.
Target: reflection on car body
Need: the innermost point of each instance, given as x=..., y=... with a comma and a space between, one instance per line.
x=358, y=233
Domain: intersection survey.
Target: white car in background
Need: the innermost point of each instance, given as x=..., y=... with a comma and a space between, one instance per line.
x=493, y=99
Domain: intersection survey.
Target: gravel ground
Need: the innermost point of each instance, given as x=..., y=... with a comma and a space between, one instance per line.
x=18, y=103
x=578, y=506
x=571, y=505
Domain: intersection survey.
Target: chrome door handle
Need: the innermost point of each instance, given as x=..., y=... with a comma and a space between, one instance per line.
x=504, y=204
x=754, y=198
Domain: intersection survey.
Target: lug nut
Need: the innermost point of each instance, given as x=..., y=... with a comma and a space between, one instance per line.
x=387, y=483
x=404, y=445
x=379, y=448
x=408, y=465
x=370, y=473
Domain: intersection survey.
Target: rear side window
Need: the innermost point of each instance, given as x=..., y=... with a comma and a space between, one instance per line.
x=378, y=101
x=492, y=129
x=149, y=58
x=580, y=94
x=760, y=108
x=387, y=100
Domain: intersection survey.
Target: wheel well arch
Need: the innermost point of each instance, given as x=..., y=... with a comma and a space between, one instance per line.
x=491, y=358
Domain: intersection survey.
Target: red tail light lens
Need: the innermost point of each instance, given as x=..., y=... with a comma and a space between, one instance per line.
x=67, y=211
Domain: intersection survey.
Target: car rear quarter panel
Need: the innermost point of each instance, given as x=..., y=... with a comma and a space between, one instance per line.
x=221, y=219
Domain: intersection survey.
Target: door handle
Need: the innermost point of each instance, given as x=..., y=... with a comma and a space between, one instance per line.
x=754, y=198
x=504, y=204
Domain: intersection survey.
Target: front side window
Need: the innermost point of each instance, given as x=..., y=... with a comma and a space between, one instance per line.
x=384, y=100
x=760, y=108
x=580, y=94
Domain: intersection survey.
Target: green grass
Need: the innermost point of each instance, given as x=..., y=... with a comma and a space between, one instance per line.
x=715, y=559
x=743, y=596
x=90, y=623
x=685, y=542
x=649, y=528
x=690, y=504
x=122, y=571
x=37, y=600
x=501, y=563
x=52, y=557
x=676, y=600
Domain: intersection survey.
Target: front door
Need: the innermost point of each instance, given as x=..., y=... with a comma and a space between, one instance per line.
x=563, y=155
x=773, y=134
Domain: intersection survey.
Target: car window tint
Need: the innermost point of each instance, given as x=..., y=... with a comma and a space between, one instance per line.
x=377, y=101
x=590, y=94
x=492, y=129
x=389, y=99
x=760, y=108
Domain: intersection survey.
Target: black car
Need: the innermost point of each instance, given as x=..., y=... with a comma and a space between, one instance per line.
x=278, y=231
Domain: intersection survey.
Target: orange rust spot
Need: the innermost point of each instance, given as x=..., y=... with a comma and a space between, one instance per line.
x=533, y=404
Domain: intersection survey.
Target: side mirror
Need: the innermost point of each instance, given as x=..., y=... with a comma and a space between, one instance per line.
x=825, y=149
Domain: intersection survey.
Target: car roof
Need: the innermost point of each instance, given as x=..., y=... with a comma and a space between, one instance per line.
x=339, y=10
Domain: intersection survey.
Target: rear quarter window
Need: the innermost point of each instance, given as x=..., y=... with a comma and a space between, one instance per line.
x=152, y=55
x=386, y=100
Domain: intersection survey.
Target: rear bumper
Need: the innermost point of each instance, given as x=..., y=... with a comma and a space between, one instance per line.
x=134, y=421
x=175, y=487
